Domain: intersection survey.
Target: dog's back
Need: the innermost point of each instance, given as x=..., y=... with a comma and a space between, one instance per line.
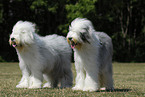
x=58, y=43
x=106, y=41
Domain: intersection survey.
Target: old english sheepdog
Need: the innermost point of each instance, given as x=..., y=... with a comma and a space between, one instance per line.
x=92, y=55
x=40, y=57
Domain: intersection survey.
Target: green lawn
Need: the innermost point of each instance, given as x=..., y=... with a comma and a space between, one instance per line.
x=129, y=81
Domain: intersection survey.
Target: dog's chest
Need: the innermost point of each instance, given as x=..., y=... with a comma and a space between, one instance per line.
x=29, y=56
x=86, y=57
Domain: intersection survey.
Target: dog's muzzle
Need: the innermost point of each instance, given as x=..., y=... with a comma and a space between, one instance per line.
x=13, y=42
x=72, y=42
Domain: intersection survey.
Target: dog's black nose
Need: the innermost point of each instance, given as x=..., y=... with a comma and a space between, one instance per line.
x=12, y=39
x=69, y=38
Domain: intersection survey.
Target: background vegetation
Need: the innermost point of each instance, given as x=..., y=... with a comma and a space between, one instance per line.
x=123, y=20
x=129, y=81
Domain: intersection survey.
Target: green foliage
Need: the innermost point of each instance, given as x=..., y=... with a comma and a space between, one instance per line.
x=1, y=59
x=47, y=4
x=123, y=20
x=63, y=28
x=38, y=3
x=81, y=8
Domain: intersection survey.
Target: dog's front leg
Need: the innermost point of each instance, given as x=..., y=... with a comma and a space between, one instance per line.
x=24, y=83
x=80, y=76
x=48, y=79
x=91, y=81
x=36, y=78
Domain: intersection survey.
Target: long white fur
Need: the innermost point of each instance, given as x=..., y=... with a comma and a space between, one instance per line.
x=48, y=57
x=93, y=59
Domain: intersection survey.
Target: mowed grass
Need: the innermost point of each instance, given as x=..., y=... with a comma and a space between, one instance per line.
x=129, y=81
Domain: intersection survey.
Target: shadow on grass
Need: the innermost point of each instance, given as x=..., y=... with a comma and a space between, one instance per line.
x=115, y=90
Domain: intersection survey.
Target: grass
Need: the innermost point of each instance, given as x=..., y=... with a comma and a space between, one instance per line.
x=129, y=81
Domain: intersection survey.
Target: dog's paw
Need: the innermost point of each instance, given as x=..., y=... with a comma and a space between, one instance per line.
x=35, y=86
x=22, y=85
x=47, y=85
x=90, y=89
x=110, y=88
x=77, y=88
x=103, y=88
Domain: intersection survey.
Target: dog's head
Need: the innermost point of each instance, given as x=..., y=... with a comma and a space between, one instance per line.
x=22, y=34
x=79, y=32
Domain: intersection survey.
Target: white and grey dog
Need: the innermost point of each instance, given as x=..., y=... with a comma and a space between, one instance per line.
x=40, y=57
x=92, y=55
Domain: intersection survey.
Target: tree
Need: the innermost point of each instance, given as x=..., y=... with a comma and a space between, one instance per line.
x=80, y=8
x=123, y=20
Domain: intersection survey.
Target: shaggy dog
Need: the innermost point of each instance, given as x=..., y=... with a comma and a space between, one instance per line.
x=92, y=55
x=40, y=57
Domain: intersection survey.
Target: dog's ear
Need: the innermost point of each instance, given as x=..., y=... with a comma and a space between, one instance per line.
x=70, y=28
x=90, y=30
x=85, y=37
x=32, y=35
x=33, y=30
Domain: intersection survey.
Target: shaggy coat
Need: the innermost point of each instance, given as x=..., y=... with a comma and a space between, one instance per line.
x=92, y=54
x=40, y=57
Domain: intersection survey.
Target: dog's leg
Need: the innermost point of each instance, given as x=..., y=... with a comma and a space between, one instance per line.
x=36, y=78
x=108, y=79
x=54, y=83
x=67, y=80
x=80, y=77
x=91, y=81
x=47, y=78
x=24, y=83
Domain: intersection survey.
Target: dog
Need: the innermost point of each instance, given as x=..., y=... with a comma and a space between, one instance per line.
x=40, y=57
x=92, y=54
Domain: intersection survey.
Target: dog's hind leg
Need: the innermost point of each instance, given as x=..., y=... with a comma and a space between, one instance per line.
x=67, y=79
x=54, y=83
x=108, y=78
x=67, y=76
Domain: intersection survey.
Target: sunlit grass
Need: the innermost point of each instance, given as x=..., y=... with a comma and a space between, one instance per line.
x=129, y=80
